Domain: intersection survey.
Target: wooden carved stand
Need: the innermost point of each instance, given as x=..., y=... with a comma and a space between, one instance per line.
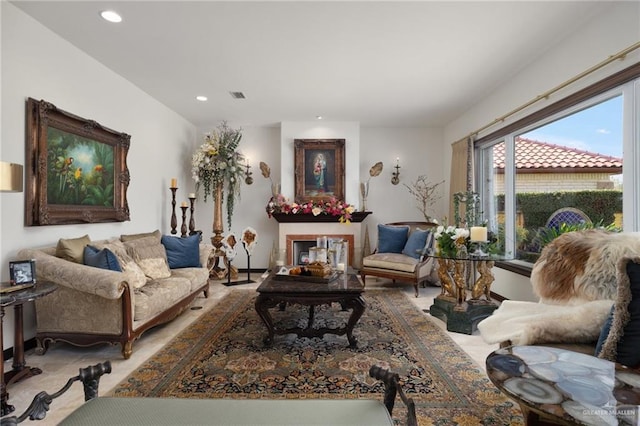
x=216, y=272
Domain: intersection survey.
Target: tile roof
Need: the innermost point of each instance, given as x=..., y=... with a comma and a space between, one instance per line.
x=541, y=156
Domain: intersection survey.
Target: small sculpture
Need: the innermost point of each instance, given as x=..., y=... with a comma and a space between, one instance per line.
x=445, y=279
x=484, y=281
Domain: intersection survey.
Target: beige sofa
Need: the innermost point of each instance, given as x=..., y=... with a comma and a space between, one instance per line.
x=93, y=305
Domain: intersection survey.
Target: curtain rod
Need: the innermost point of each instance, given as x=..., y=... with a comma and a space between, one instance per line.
x=620, y=55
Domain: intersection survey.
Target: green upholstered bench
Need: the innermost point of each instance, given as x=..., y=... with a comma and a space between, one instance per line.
x=178, y=411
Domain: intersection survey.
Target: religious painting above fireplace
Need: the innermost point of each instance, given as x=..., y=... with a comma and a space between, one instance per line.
x=319, y=169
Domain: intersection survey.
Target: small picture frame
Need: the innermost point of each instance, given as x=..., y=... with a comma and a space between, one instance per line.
x=304, y=258
x=22, y=272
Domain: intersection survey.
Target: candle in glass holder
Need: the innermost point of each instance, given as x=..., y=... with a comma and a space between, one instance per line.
x=478, y=233
x=174, y=183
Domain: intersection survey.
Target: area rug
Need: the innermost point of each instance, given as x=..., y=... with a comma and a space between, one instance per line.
x=222, y=355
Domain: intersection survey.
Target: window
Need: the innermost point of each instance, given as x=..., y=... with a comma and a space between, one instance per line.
x=562, y=169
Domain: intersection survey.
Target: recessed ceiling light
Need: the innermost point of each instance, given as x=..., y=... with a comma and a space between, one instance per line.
x=111, y=16
x=201, y=98
x=318, y=117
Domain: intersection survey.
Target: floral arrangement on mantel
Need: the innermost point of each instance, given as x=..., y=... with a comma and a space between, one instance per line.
x=217, y=161
x=332, y=207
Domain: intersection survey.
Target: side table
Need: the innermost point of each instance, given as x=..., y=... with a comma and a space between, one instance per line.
x=19, y=370
x=566, y=387
x=465, y=299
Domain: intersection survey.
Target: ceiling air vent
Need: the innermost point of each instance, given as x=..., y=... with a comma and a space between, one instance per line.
x=237, y=95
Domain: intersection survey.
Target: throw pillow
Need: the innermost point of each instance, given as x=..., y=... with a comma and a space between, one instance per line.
x=182, y=252
x=392, y=238
x=72, y=249
x=623, y=339
x=150, y=255
x=130, y=237
x=417, y=243
x=137, y=277
x=104, y=259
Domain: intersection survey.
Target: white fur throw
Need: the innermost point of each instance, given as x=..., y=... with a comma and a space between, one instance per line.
x=527, y=323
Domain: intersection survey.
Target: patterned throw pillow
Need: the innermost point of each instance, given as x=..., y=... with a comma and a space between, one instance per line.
x=137, y=277
x=150, y=255
x=72, y=249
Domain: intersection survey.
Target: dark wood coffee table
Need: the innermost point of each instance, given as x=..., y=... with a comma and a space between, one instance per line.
x=346, y=290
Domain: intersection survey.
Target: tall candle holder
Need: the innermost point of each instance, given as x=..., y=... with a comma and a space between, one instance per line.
x=183, y=228
x=174, y=219
x=192, y=222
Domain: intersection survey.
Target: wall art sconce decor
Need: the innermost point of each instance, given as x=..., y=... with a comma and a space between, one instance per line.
x=395, y=176
x=248, y=179
x=10, y=177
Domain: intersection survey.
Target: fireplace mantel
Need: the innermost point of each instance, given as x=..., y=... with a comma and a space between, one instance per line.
x=356, y=217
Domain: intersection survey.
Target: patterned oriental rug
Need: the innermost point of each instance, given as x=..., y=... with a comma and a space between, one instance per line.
x=222, y=355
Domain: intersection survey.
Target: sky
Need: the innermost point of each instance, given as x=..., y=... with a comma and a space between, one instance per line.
x=596, y=129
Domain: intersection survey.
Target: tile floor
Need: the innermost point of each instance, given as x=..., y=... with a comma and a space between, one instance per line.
x=62, y=361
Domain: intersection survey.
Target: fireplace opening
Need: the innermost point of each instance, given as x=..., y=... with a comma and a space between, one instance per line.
x=301, y=251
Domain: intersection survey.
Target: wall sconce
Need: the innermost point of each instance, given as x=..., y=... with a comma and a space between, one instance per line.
x=10, y=177
x=248, y=179
x=395, y=176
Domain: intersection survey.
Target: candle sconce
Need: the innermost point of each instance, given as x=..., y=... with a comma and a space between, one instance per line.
x=248, y=178
x=395, y=176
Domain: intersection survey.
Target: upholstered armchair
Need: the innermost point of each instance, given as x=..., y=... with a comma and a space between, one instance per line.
x=588, y=283
x=401, y=254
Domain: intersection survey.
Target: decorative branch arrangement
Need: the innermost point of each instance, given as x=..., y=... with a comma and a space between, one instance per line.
x=425, y=194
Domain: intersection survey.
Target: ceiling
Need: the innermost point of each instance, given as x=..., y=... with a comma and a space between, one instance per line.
x=418, y=63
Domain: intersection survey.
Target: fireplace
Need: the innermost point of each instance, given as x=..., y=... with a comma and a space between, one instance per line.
x=297, y=243
x=305, y=234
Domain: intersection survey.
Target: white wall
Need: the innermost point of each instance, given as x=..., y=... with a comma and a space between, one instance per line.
x=610, y=32
x=420, y=152
x=37, y=63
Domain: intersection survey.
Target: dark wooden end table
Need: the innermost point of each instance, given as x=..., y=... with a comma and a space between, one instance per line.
x=346, y=290
x=564, y=387
x=20, y=370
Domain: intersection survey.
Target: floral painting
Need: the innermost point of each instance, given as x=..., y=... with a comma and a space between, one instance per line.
x=80, y=170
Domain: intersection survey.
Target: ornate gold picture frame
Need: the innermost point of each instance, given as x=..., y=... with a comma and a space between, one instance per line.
x=319, y=169
x=76, y=169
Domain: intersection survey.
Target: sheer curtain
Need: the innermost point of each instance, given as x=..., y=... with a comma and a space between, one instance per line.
x=461, y=172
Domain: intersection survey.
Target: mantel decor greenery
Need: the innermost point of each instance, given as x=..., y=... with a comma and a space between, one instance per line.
x=217, y=163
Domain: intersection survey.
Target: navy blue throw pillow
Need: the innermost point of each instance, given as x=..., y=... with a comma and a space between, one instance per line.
x=604, y=332
x=392, y=239
x=620, y=337
x=628, y=353
x=182, y=252
x=104, y=259
x=416, y=243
